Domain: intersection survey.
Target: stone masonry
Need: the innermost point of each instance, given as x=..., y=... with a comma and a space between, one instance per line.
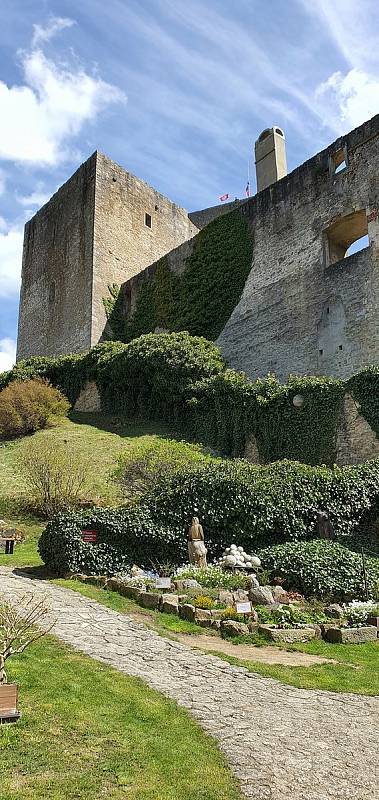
x=281, y=742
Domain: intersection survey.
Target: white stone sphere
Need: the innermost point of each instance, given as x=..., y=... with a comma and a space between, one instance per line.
x=256, y=562
x=240, y=549
x=233, y=547
x=230, y=561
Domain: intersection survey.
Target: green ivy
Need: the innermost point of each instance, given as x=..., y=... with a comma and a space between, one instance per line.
x=364, y=387
x=202, y=299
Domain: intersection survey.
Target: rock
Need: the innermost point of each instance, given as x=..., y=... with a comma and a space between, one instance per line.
x=203, y=617
x=149, y=599
x=240, y=596
x=334, y=610
x=371, y=620
x=279, y=594
x=215, y=624
x=230, y=561
x=352, y=635
x=216, y=613
x=253, y=582
x=288, y=635
x=261, y=596
x=133, y=592
x=169, y=607
x=229, y=627
x=256, y=562
x=187, y=583
x=187, y=611
x=225, y=597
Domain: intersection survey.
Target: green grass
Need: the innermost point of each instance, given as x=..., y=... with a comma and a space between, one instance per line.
x=88, y=731
x=97, y=438
x=357, y=670
x=162, y=623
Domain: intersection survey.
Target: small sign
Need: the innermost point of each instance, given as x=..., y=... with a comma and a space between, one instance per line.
x=163, y=583
x=7, y=546
x=90, y=537
x=243, y=608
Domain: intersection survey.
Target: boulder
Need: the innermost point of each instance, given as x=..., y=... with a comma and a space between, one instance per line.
x=149, y=599
x=169, y=607
x=215, y=624
x=240, y=596
x=131, y=591
x=279, y=594
x=335, y=611
x=288, y=635
x=187, y=611
x=352, y=635
x=225, y=597
x=229, y=627
x=203, y=617
x=261, y=596
x=187, y=583
x=216, y=613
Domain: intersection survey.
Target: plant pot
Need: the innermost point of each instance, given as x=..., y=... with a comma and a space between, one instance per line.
x=8, y=703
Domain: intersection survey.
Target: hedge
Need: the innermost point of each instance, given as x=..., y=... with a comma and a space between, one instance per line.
x=256, y=506
x=182, y=378
x=237, y=502
x=321, y=568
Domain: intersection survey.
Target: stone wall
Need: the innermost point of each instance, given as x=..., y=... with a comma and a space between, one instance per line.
x=356, y=441
x=123, y=244
x=207, y=215
x=299, y=313
x=55, y=302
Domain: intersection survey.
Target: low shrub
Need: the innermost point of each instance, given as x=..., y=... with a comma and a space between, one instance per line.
x=28, y=406
x=321, y=568
x=203, y=601
x=125, y=536
x=55, y=475
x=257, y=506
x=214, y=578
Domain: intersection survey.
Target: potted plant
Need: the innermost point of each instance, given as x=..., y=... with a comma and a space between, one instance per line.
x=18, y=629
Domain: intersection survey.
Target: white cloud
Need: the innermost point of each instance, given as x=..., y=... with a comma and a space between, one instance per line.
x=11, y=239
x=50, y=107
x=7, y=354
x=37, y=198
x=349, y=99
x=43, y=33
x=2, y=182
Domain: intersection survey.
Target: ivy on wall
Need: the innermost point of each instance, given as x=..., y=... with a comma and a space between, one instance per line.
x=202, y=299
x=182, y=378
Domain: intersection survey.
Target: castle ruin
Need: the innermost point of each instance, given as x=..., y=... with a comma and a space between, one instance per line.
x=309, y=306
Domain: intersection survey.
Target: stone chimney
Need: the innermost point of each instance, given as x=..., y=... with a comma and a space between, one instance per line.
x=270, y=157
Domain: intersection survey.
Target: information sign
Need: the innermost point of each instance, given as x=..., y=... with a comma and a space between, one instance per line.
x=243, y=608
x=90, y=537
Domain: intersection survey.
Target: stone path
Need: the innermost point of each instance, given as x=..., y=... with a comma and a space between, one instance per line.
x=245, y=652
x=282, y=743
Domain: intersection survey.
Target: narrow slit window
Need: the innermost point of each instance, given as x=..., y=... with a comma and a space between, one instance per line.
x=148, y=221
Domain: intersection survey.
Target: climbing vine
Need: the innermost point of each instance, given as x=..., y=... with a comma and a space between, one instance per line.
x=200, y=300
x=364, y=387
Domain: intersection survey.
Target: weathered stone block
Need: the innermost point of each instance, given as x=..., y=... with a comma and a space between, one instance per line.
x=288, y=635
x=130, y=591
x=352, y=635
x=187, y=611
x=240, y=596
x=261, y=596
x=372, y=620
x=335, y=611
x=225, y=597
x=279, y=594
x=149, y=599
x=229, y=627
x=169, y=607
x=203, y=617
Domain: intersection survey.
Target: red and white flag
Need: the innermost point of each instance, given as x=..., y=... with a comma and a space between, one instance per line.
x=224, y=197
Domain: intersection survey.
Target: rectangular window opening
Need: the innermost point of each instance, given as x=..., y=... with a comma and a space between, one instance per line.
x=346, y=236
x=338, y=161
x=148, y=220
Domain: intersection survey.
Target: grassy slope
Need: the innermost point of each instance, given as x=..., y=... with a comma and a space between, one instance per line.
x=98, y=438
x=357, y=670
x=122, y=740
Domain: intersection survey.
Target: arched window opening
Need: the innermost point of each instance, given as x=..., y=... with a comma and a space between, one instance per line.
x=346, y=236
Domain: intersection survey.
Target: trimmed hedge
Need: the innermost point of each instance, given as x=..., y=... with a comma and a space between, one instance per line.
x=252, y=506
x=321, y=568
x=256, y=506
x=125, y=536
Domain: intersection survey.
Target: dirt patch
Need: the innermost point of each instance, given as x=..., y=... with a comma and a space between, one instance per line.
x=248, y=652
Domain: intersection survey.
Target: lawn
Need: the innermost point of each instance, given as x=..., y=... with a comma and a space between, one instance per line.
x=97, y=438
x=357, y=670
x=88, y=731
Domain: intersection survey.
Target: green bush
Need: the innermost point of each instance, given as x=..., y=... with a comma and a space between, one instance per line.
x=257, y=506
x=125, y=536
x=321, y=568
x=27, y=406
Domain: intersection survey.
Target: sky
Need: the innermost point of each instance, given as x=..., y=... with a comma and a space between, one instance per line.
x=176, y=91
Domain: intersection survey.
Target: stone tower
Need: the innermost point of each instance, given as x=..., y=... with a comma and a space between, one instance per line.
x=102, y=226
x=270, y=157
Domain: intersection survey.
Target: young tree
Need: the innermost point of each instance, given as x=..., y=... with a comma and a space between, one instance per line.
x=18, y=627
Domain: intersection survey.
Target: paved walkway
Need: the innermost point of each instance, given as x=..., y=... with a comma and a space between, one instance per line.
x=282, y=743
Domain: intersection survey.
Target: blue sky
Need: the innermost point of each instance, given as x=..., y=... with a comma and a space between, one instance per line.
x=176, y=91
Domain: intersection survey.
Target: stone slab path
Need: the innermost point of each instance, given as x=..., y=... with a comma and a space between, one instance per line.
x=245, y=652
x=282, y=743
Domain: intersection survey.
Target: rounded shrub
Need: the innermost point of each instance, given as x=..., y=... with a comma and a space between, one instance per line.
x=321, y=568
x=27, y=406
x=124, y=536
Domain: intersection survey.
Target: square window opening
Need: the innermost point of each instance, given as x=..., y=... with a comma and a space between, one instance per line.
x=148, y=221
x=346, y=236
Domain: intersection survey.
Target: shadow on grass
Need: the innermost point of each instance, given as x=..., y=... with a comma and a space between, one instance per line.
x=128, y=428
